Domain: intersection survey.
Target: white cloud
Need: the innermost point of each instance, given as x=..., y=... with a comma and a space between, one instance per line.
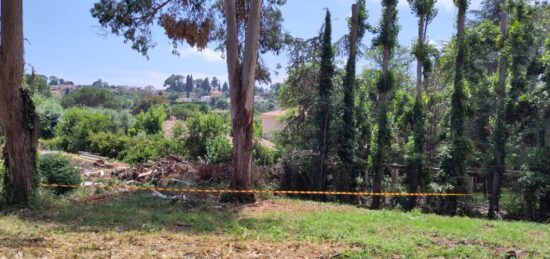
x=206, y=54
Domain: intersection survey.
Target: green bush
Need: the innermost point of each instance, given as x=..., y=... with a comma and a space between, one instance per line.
x=264, y=155
x=218, y=150
x=203, y=127
x=77, y=124
x=49, y=112
x=55, y=169
x=149, y=122
x=92, y=97
x=142, y=148
x=147, y=102
x=112, y=145
x=186, y=110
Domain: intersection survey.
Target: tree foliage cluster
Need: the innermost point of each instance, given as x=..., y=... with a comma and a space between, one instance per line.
x=481, y=106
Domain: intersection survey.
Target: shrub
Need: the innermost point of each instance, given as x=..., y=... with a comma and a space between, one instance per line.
x=264, y=155
x=77, y=125
x=142, y=148
x=55, y=169
x=147, y=102
x=49, y=112
x=113, y=145
x=92, y=97
x=186, y=110
x=149, y=122
x=218, y=150
x=204, y=127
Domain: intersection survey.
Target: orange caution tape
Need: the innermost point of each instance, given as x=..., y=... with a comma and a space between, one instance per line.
x=191, y=190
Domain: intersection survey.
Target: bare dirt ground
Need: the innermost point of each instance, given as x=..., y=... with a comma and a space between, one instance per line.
x=159, y=245
x=51, y=240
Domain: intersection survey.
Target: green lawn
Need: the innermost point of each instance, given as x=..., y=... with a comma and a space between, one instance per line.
x=272, y=226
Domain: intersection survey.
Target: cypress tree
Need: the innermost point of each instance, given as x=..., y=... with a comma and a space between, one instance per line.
x=387, y=40
x=188, y=85
x=347, y=147
x=323, y=114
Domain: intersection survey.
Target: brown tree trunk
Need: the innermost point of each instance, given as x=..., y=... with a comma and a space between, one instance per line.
x=500, y=166
x=241, y=81
x=16, y=109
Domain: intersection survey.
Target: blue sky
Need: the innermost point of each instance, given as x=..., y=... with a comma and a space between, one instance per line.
x=65, y=41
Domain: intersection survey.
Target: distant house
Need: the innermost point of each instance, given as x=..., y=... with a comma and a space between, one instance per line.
x=270, y=124
x=183, y=99
x=215, y=93
x=61, y=90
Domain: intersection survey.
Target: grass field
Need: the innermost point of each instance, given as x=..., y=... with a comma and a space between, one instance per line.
x=140, y=225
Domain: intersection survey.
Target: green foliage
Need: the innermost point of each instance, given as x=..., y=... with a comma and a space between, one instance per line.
x=109, y=144
x=219, y=150
x=76, y=126
x=203, y=127
x=92, y=97
x=38, y=84
x=149, y=122
x=49, y=112
x=264, y=155
x=142, y=148
x=323, y=114
x=147, y=102
x=56, y=169
x=186, y=110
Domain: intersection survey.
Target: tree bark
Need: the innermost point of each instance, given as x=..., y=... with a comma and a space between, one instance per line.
x=17, y=111
x=500, y=141
x=241, y=82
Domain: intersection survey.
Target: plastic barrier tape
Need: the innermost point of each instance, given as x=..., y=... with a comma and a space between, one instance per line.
x=192, y=190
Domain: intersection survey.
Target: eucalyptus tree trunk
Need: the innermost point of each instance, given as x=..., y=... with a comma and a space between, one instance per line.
x=241, y=81
x=17, y=111
x=500, y=127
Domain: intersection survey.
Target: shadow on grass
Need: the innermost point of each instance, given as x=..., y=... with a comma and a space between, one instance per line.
x=136, y=211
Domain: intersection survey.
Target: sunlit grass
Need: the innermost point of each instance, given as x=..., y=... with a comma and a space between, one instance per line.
x=381, y=233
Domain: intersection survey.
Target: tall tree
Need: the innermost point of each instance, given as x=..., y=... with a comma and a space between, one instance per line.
x=174, y=83
x=17, y=110
x=323, y=114
x=215, y=84
x=425, y=11
x=453, y=163
x=347, y=146
x=387, y=40
x=225, y=87
x=234, y=24
x=499, y=134
x=205, y=85
x=188, y=85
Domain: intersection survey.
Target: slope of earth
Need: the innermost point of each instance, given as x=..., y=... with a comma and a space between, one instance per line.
x=140, y=225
